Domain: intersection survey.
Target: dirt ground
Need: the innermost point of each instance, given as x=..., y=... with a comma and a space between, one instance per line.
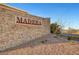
x=47, y=45
x=46, y=49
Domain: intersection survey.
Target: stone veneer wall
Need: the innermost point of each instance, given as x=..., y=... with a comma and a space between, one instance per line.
x=13, y=34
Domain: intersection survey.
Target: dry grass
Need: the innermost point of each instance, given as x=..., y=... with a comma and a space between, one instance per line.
x=46, y=49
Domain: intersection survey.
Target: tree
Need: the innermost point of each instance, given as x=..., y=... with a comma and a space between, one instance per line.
x=55, y=28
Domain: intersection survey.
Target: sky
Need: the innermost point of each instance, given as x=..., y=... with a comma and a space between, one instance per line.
x=66, y=14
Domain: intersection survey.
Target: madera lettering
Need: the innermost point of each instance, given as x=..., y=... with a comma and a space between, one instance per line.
x=28, y=21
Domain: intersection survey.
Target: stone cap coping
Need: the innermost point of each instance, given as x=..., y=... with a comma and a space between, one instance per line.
x=12, y=8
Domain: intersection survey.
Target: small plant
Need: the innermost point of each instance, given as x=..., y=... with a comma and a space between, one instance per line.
x=69, y=38
x=45, y=41
x=42, y=42
x=72, y=42
x=73, y=38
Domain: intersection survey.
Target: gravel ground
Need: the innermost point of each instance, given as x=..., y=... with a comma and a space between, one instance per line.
x=46, y=49
x=47, y=45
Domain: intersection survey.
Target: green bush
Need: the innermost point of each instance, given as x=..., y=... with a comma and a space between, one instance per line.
x=55, y=28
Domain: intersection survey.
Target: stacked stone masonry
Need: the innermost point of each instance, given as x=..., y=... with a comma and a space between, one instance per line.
x=18, y=27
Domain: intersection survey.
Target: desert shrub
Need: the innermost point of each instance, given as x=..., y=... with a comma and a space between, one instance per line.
x=55, y=28
x=69, y=38
x=72, y=42
x=72, y=38
x=42, y=42
x=45, y=41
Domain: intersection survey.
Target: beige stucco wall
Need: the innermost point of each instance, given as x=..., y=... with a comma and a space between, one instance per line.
x=13, y=34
